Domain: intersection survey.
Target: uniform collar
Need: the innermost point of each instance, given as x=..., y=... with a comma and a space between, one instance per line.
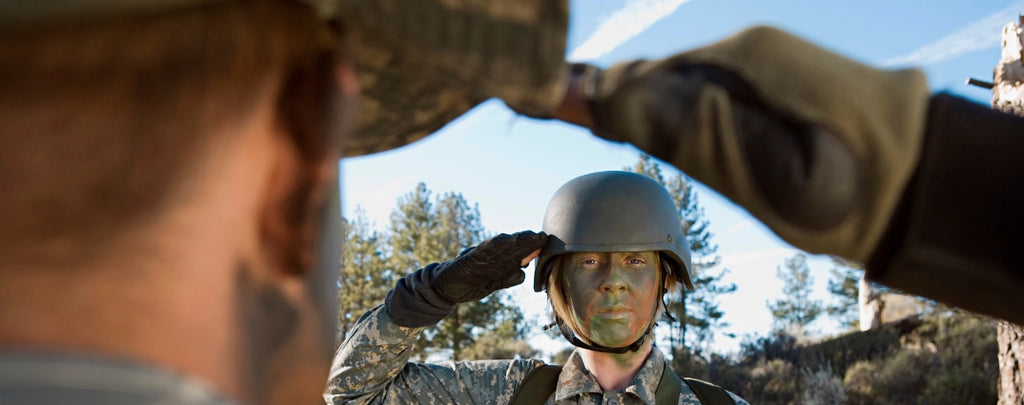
x=576, y=380
x=85, y=379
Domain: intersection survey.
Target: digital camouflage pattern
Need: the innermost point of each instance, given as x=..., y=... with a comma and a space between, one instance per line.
x=422, y=63
x=576, y=386
x=34, y=15
x=371, y=367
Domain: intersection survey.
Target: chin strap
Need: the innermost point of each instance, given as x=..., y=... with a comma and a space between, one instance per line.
x=664, y=303
x=571, y=337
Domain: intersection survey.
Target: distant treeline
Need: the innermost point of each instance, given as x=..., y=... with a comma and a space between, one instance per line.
x=947, y=358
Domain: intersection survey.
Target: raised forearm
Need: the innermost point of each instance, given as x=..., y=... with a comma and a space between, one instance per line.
x=835, y=157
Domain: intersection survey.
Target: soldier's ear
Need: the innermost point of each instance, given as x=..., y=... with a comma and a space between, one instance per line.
x=293, y=211
x=668, y=278
x=316, y=111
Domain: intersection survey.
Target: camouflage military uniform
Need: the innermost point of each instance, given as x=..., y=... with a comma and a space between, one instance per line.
x=56, y=379
x=371, y=367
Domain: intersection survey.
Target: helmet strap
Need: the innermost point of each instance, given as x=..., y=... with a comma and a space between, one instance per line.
x=668, y=314
x=571, y=337
x=666, y=268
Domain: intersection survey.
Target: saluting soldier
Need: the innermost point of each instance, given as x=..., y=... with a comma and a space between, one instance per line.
x=167, y=166
x=613, y=245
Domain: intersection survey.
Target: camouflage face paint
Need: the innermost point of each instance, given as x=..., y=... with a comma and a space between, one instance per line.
x=613, y=296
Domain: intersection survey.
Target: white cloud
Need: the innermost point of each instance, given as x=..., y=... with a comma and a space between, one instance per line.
x=634, y=17
x=982, y=34
x=739, y=227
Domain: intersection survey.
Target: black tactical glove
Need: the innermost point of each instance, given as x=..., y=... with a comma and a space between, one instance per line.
x=428, y=295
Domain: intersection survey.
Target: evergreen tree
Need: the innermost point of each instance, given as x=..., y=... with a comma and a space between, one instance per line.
x=364, y=275
x=697, y=312
x=797, y=309
x=426, y=229
x=411, y=243
x=843, y=286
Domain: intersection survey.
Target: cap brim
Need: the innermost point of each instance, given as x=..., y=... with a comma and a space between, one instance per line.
x=422, y=63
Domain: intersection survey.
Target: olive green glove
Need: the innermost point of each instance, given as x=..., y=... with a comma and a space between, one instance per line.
x=815, y=145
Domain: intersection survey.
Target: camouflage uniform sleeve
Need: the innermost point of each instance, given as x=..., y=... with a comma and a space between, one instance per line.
x=371, y=367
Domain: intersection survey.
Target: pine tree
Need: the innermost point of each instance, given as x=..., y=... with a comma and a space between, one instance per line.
x=697, y=312
x=797, y=310
x=426, y=229
x=364, y=275
x=843, y=286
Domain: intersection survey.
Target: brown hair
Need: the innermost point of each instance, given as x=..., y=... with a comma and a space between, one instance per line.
x=102, y=123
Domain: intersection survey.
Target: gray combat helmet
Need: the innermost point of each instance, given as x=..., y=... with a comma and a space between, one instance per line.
x=614, y=212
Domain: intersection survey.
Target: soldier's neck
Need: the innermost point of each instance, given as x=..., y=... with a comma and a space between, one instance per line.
x=614, y=371
x=167, y=310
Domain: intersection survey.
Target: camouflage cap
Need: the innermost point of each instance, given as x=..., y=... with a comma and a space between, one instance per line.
x=424, y=62
x=15, y=14
x=421, y=62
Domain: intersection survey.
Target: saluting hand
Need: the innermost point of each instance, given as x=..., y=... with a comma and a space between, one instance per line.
x=428, y=295
x=493, y=265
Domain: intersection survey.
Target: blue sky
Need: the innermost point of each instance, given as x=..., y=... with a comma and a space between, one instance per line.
x=512, y=165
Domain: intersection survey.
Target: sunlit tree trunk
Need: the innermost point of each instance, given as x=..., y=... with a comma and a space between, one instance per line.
x=1008, y=96
x=870, y=304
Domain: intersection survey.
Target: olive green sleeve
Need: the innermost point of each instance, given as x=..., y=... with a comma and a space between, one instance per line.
x=726, y=114
x=953, y=234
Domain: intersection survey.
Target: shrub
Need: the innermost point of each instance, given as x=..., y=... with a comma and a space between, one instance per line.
x=779, y=345
x=948, y=358
x=859, y=383
x=773, y=382
x=821, y=387
x=958, y=385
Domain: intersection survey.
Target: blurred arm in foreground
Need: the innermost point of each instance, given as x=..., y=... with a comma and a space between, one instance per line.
x=834, y=156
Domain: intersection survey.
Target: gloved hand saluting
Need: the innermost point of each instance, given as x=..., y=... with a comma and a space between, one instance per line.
x=428, y=295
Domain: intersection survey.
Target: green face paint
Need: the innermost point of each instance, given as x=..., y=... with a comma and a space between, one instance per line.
x=614, y=295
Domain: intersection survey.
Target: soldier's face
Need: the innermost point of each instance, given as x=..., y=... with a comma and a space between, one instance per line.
x=613, y=296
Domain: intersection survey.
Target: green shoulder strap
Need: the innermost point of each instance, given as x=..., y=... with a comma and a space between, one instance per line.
x=709, y=393
x=668, y=387
x=538, y=386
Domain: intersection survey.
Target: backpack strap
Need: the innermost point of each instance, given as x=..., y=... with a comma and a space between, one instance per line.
x=538, y=386
x=668, y=388
x=709, y=393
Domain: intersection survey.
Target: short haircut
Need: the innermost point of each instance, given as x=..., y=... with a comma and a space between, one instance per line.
x=102, y=123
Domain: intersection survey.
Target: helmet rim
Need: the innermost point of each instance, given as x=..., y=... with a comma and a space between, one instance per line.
x=613, y=211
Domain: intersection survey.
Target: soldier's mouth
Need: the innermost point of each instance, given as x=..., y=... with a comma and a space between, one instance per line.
x=616, y=312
